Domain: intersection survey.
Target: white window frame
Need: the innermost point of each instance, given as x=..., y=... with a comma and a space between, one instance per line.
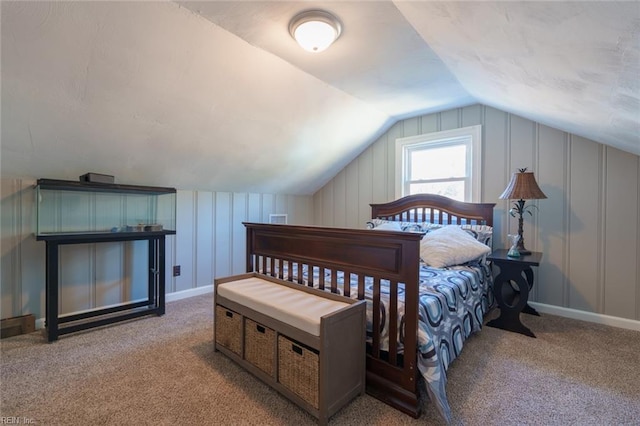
x=472, y=135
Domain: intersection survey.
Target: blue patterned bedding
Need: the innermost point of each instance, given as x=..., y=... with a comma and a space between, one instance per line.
x=453, y=302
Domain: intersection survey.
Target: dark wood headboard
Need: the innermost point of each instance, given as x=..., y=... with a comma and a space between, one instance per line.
x=434, y=209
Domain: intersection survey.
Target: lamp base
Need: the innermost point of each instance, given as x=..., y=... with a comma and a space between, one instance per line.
x=520, y=247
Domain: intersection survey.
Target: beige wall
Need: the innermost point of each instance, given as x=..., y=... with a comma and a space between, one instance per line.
x=588, y=228
x=209, y=242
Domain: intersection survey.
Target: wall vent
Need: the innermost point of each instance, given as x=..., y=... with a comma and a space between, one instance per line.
x=278, y=218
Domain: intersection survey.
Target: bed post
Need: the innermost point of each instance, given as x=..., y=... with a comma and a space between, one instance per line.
x=401, y=392
x=249, y=250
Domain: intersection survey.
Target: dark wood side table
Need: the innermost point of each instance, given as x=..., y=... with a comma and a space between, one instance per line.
x=511, y=289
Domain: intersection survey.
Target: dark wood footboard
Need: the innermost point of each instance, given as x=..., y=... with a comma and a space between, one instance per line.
x=374, y=255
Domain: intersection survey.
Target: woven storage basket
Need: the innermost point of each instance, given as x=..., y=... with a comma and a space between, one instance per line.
x=298, y=369
x=229, y=329
x=259, y=346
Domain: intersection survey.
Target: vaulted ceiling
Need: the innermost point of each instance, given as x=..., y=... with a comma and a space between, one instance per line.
x=216, y=95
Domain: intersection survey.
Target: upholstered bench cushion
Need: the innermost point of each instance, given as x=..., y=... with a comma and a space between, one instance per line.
x=296, y=308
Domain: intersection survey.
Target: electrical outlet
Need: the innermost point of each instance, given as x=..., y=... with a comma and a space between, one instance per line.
x=176, y=270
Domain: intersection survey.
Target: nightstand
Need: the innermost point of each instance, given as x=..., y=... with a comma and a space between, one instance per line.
x=511, y=289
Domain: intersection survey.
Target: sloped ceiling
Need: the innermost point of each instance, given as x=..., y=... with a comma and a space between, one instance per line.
x=217, y=96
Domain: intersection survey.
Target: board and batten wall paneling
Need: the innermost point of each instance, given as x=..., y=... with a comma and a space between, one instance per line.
x=268, y=205
x=584, y=225
x=364, y=185
x=340, y=195
x=552, y=214
x=396, y=131
x=450, y=119
x=323, y=202
x=254, y=208
x=374, y=174
x=282, y=203
x=580, y=227
x=169, y=261
x=204, y=239
x=239, y=214
x=301, y=212
x=185, y=248
x=352, y=213
x=620, y=233
x=430, y=123
x=135, y=277
x=411, y=127
x=496, y=168
x=219, y=235
x=108, y=259
x=75, y=294
x=210, y=242
x=471, y=116
x=222, y=232
x=521, y=135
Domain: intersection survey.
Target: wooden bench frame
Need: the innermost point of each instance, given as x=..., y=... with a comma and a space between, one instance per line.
x=340, y=347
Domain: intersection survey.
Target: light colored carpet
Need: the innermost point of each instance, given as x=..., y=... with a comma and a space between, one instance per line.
x=163, y=371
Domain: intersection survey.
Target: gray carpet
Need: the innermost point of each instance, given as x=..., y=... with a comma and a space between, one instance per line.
x=163, y=371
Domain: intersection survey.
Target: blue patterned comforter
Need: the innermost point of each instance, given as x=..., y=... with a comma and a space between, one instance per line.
x=453, y=302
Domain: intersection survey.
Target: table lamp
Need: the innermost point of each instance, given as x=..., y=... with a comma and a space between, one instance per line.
x=521, y=187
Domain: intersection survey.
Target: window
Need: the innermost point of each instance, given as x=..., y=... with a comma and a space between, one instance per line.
x=446, y=163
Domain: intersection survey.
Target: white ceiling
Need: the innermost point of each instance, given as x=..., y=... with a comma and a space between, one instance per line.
x=217, y=96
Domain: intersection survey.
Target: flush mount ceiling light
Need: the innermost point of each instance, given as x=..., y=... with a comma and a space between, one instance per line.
x=315, y=30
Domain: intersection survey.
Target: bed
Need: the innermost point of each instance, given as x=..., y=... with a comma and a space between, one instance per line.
x=430, y=309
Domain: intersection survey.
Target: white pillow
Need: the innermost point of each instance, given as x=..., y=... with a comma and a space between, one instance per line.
x=401, y=226
x=388, y=226
x=450, y=245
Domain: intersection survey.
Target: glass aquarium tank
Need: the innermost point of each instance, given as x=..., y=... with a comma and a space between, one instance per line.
x=70, y=207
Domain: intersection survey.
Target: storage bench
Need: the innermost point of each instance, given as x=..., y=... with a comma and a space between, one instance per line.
x=307, y=344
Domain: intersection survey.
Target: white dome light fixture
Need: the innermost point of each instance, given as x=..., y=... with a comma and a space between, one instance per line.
x=315, y=30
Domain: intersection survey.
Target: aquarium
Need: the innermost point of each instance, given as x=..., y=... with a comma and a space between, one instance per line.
x=70, y=207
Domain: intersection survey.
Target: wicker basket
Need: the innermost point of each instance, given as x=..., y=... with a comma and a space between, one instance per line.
x=229, y=329
x=259, y=346
x=298, y=369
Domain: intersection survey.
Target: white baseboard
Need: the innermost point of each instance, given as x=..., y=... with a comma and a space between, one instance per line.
x=39, y=323
x=178, y=295
x=628, y=324
x=171, y=297
x=587, y=316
